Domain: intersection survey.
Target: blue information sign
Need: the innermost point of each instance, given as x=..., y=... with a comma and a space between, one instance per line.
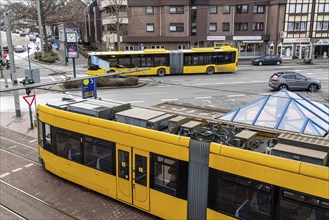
x=89, y=88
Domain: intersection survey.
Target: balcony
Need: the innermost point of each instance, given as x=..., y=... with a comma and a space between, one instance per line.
x=106, y=3
x=111, y=18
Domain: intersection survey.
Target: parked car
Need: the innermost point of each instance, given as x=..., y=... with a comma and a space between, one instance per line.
x=32, y=37
x=19, y=48
x=293, y=81
x=267, y=60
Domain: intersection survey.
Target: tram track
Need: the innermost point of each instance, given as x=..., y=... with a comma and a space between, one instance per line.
x=13, y=212
x=44, y=207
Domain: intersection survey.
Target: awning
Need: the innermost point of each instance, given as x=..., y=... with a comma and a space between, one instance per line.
x=253, y=41
x=322, y=42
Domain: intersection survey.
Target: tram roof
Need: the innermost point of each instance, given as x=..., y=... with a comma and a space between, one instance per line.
x=284, y=110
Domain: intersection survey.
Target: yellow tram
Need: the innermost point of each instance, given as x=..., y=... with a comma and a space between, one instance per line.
x=144, y=158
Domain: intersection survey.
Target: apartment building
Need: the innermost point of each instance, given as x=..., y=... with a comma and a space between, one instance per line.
x=106, y=22
x=305, y=33
x=251, y=26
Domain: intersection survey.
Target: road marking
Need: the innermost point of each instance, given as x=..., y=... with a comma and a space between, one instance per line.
x=30, y=164
x=204, y=97
x=16, y=170
x=19, y=143
x=167, y=100
x=3, y=175
x=14, y=146
x=135, y=101
x=235, y=95
x=63, y=77
x=52, y=78
x=164, y=86
x=152, y=93
x=31, y=141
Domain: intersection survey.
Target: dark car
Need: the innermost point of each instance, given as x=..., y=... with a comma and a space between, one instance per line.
x=293, y=81
x=267, y=60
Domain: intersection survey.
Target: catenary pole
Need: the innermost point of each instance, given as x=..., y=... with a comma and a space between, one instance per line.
x=13, y=74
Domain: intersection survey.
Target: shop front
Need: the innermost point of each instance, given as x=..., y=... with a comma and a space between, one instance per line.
x=216, y=41
x=300, y=48
x=249, y=46
x=321, y=48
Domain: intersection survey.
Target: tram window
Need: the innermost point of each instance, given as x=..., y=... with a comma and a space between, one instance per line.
x=99, y=154
x=237, y=196
x=294, y=205
x=141, y=170
x=166, y=174
x=123, y=164
x=68, y=145
x=40, y=132
x=48, y=143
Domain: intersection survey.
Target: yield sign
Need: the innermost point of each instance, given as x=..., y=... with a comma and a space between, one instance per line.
x=29, y=99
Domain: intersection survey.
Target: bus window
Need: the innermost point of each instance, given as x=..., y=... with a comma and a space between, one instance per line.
x=124, y=61
x=135, y=61
x=161, y=60
x=99, y=154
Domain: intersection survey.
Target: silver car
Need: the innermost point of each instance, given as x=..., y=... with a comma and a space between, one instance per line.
x=19, y=48
x=293, y=81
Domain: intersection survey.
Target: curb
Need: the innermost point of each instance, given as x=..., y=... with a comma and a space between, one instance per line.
x=111, y=87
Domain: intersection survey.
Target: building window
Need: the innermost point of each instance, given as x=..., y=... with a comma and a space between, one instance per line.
x=226, y=27
x=157, y=47
x=213, y=27
x=213, y=9
x=241, y=26
x=242, y=9
x=129, y=48
x=176, y=27
x=323, y=8
x=181, y=47
x=258, y=26
x=176, y=9
x=322, y=25
x=226, y=9
x=259, y=9
x=298, y=8
x=149, y=10
x=297, y=26
x=149, y=27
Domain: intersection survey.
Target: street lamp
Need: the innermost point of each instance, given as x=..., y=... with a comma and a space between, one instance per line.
x=28, y=57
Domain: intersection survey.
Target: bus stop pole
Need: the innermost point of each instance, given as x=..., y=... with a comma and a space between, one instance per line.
x=74, y=71
x=31, y=120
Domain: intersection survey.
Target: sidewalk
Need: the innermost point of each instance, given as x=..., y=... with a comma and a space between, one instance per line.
x=19, y=124
x=320, y=61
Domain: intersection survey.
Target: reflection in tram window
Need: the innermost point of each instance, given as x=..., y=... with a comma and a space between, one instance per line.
x=123, y=164
x=99, y=154
x=141, y=170
x=68, y=144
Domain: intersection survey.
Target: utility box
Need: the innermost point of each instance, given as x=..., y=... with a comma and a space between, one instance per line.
x=300, y=154
x=174, y=123
x=192, y=126
x=246, y=139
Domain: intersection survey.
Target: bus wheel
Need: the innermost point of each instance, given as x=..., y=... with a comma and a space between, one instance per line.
x=161, y=72
x=210, y=70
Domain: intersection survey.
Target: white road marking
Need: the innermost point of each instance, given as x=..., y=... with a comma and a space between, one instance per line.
x=31, y=141
x=167, y=100
x=235, y=95
x=30, y=164
x=3, y=175
x=204, y=97
x=14, y=146
x=63, y=77
x=52, y=78
x=19, y=143
x=164, y=86
x=152, y=93
x=135, y=101
x=16, y=170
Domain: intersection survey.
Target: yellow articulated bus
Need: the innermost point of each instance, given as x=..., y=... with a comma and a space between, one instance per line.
x=162, y=164
x=163, y=62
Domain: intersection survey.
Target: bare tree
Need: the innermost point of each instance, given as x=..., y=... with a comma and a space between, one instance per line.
x=118, y=18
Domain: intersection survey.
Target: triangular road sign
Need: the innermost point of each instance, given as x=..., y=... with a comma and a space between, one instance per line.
x=29, y=99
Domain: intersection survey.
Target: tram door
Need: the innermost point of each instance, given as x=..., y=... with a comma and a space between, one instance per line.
x=141, y=181
x=133, y=176
x=124, y=176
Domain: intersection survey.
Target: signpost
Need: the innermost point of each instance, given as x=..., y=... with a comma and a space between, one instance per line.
x=29, y=100
x=89, y=88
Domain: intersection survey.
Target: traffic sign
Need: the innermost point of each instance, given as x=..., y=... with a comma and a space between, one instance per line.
x=4, y=54
x=29, y=99
x=89, y=88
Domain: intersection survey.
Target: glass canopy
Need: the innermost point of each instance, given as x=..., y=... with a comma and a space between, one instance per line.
x=286, y=111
